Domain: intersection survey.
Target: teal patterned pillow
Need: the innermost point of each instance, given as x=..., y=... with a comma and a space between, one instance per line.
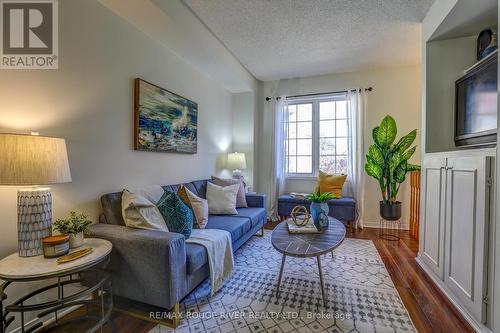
x=177, y=216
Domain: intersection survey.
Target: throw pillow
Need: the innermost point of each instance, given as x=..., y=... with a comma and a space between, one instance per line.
x=140, y=213
x=151, y=192
x=241, y=198
x=330, y=183
x=198, y=206
x=177, y=216
x=182, y=194
x=222, y=200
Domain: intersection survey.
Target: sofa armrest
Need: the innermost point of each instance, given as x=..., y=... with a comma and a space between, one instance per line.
x=256, y=200
x=147, y=265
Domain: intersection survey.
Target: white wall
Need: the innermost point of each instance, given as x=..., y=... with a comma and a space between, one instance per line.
x=395, y=92
x=444, y=67
x=243, y=106
x=89, y=101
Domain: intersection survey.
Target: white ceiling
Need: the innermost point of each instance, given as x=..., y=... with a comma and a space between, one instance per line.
x=279, y=39
x=468, y=18
x=173, y=24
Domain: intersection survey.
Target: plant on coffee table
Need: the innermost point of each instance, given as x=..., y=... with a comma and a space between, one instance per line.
x=319, y=208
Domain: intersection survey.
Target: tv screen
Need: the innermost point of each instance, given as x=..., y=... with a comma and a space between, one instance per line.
x=476, y=105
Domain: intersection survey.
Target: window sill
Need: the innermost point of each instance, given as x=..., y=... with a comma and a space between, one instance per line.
x=310, y=178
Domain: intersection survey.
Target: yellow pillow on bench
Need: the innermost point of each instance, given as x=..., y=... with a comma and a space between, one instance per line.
x=330, y=183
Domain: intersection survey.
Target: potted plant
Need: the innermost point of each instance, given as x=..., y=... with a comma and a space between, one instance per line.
x=319, y=209
x=387, y=162
x=75, y=226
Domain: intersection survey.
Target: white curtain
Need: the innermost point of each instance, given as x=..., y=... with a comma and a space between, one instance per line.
x=276, y=180
x=356, y=109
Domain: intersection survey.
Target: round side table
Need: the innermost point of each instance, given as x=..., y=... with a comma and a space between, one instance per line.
x=89, y=273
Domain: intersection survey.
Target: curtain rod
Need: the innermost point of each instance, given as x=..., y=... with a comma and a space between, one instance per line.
x=317, y=94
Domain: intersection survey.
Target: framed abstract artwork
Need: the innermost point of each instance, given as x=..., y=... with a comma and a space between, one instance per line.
x=164, y=121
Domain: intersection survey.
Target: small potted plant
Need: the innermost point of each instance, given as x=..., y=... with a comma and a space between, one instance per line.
x=75, y=226
x=319, y=209
x=387, y=162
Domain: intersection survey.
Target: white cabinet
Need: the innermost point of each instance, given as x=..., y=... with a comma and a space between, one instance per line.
x=433, y=203
x=456, y=211
x=467, y=218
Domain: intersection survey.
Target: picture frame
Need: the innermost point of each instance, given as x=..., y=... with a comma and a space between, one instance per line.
x=164, y=121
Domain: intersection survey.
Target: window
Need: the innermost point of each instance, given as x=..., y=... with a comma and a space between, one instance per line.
x=316, y=135
x=300, y=143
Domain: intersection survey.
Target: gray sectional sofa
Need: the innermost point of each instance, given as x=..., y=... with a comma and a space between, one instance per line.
x=160, y=268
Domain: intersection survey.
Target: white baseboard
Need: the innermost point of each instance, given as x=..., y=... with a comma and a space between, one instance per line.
x=376, y=224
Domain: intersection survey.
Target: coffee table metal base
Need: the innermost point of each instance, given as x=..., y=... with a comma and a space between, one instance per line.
x=320, y=277
x=307, y=246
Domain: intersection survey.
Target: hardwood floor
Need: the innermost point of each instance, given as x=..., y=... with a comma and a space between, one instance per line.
x=428, y=308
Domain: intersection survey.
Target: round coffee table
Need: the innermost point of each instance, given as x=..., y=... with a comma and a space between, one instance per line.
x=307, y=245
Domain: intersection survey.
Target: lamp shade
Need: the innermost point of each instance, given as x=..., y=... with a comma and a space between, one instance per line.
x=236, y=161
x=33, y=160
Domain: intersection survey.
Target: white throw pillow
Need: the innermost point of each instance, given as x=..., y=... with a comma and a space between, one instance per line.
x=151, y=192
x=200, y=209
x=222, y=200
x=140, y=213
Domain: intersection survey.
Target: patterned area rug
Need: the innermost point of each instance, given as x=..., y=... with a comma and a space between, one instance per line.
x=361, y=295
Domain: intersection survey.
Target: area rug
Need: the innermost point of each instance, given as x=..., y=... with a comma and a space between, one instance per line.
x=360, y=294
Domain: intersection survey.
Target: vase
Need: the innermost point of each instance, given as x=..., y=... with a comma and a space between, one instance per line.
x=491, y=47
x=319, y=214
x=76, y=240
x=390, y=211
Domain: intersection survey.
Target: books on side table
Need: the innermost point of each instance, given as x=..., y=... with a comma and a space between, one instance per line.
x=299, y=195
x=309, y=228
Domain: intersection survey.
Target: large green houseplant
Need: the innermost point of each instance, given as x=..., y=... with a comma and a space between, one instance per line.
x=387, y=162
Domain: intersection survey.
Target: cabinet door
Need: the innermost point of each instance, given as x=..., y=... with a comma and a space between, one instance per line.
x=432, y=211
x=467, y=218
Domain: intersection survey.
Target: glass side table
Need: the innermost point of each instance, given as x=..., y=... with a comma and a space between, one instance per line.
x=88, y=273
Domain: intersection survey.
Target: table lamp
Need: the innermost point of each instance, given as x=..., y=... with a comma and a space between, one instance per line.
x=33, y=160
x=236, y=162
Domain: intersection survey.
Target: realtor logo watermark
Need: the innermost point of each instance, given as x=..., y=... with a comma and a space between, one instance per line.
x=29, y=34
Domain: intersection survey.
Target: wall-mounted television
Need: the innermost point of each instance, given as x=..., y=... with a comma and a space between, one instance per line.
x=476, y=104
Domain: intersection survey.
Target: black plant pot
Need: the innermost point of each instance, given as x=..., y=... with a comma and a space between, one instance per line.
x=390, y=211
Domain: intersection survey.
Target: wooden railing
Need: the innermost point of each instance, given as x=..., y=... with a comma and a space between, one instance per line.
x=414, y=203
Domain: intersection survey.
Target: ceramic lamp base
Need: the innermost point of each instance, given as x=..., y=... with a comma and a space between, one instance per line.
x=34, y=220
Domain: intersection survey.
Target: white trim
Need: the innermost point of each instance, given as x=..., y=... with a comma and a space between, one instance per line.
x=322, y=97
x=464, y=152
x=301, y=177
x=315, y=123
x=476, y=325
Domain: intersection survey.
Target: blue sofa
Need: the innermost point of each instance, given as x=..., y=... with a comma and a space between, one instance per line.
x=343, y=209
x=160, y=268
